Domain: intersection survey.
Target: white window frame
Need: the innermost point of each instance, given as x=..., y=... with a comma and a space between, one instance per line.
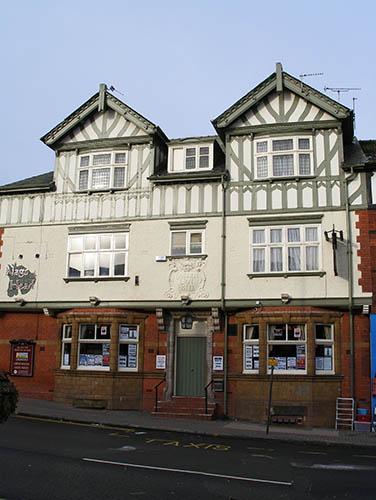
x=197, y=155
x=66, y=339
x=90, y=168
x=129, y=341
x=295, y=152
x=96, y=340
x=188, y=233
x=247, y=343
x=326, y=343
x=112, y=251
x=287, y=342
x=267, y=245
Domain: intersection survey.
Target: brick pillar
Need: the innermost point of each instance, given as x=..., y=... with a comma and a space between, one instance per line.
x=74, y=350
x=263, y=346
x=114, y=346
x=310, y=354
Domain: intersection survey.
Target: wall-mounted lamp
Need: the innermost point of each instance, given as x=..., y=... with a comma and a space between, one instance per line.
x=333, y=236
x=94, y=301
x=185, y=300
x=285, y=298
x=20, y=301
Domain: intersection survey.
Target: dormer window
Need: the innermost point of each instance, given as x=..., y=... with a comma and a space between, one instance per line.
x=197, y=157
x=283, y=157
x=105, y=170
x=190, y=157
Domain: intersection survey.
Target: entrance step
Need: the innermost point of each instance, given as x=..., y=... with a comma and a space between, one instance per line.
x=186, y=407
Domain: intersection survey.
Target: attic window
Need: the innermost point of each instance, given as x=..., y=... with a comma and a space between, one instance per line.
x=100, y=171
x=197, y=157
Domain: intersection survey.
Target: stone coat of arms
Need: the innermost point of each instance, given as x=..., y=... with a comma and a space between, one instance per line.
x=186, y=277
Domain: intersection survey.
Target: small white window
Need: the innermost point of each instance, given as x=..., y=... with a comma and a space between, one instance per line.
x=324, y=350
x=66, y=346
x=186, y=242
x=251, y=350
x=198, y=157
x=128, y=348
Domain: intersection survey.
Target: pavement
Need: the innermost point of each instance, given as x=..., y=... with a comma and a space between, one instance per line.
x=51, y=410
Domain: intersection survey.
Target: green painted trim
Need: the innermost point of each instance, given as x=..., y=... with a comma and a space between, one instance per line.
x=194, y=140
x=286, y=274
x=190, y=224
x=282, y=128
x=68, y=279
x=117, y=142
x=297, y=219
x=201, y=256
x=187, y=177
x=98, y=228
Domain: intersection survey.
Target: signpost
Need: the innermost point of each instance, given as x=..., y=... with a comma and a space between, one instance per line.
x=272, y=362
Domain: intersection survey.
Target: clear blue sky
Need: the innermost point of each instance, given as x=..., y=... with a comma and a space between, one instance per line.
x=178, y=63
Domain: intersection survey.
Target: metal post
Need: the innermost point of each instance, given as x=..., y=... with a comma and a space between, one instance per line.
x=270, y=399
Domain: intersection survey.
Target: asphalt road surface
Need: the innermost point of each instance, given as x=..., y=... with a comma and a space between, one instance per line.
x=50, y=460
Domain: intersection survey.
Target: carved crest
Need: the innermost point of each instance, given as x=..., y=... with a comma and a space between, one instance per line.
x=186, y=277
x=21, y=280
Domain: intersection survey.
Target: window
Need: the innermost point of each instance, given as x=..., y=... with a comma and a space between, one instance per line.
x=287, y=344
x=102, y=170
x=66, y=346
x=94, y=346
x=251, y=349
x=128, y=348
x=283, y=157
x=197, y=157
x=324, y=349
x=187, y=242
x=98, y=255
x=285, y=249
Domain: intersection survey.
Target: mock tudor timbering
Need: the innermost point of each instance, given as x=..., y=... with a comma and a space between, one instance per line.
x=165, y=236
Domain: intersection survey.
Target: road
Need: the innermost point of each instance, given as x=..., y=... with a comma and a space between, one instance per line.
x=51, y=460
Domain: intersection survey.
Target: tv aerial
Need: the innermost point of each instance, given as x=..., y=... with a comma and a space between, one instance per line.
x=341, y=90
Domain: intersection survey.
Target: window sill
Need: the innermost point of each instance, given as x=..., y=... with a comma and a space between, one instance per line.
x=104, y=190
x=290, y=178
x=287, y=274
x=96, y=278
x=201, y=256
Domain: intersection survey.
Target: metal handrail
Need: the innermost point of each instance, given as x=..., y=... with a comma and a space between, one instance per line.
x=156, y=393
x=206, y=394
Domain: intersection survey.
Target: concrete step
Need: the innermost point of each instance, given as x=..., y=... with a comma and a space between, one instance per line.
x=193, y=416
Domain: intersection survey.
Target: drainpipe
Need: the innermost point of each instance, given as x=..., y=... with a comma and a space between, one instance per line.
x=224, y=183
x=349, y=179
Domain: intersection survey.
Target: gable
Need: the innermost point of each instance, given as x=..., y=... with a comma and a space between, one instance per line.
x=281, y=107
x=107, y=124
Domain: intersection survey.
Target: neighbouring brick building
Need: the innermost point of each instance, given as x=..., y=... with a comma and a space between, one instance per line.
x=144, y=266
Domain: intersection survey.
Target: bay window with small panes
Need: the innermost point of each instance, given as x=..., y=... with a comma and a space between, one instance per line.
x=101, y=171
x=97, y=255
x=283, y=249
x=283, y=157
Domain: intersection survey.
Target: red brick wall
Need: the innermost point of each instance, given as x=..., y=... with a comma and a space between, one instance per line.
x=367, y=251
x=41, y=329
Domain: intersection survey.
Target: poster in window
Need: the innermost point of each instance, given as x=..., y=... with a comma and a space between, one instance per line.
x=103, y=330
x=256, y=364
x=83, y=360
x=319, y=363
x=278, y=333
x=256, y=351
x=291, y=363
x=66, y=359
x=300, y=361
x=128, y=332
x=328, y=351
x=22, y=359
x=281, y=363
x=300, y=350
x=248, y=355
x=328, y=364
x=297, y=332
x=123, y=361
x=106, y=349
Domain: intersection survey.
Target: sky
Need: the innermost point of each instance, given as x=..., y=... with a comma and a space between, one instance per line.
x=180, y=64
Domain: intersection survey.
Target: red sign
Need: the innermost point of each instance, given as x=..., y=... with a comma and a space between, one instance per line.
x=22, y=359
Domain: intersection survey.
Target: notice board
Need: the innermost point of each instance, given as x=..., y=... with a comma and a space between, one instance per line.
x=22, y=358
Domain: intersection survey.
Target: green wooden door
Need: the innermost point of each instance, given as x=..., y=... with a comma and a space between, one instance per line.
x=190, y=366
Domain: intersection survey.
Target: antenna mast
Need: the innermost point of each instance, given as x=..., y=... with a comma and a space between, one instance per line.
x=340, y=90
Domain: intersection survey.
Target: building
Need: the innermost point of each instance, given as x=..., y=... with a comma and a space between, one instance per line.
x=143, y=266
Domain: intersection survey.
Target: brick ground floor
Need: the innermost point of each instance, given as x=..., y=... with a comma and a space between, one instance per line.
x=114, y=358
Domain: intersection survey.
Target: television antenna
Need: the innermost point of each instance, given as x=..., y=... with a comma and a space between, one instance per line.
x=305, y=75
x=340, y=90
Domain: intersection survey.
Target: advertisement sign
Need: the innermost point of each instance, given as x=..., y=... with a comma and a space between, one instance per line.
x=218, y=363
x=22, y=358
x=160, y=362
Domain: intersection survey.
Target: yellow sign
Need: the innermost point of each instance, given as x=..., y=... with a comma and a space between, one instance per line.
x=272, y=362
